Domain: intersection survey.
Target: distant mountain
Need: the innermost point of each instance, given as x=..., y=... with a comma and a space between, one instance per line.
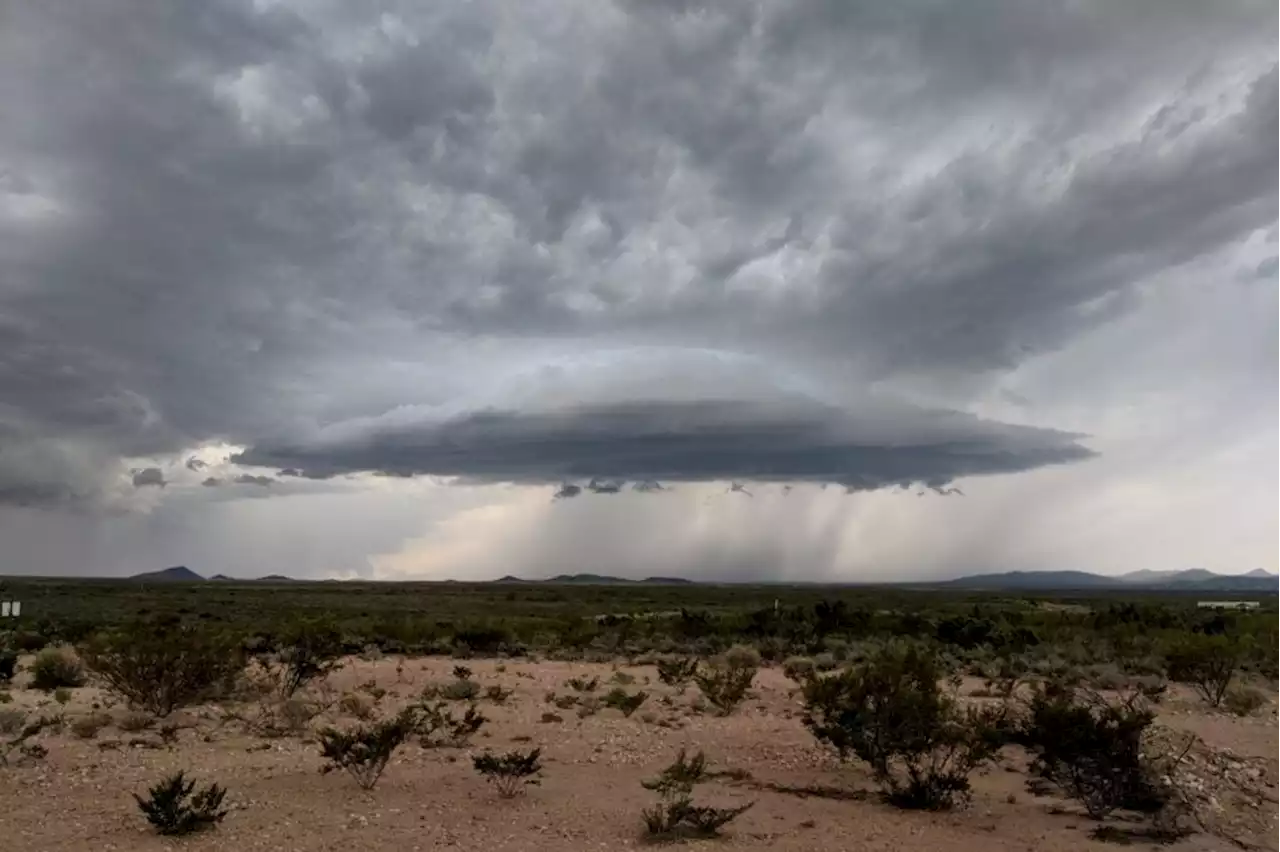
x=587, y=579
x=1146, y=575
x=222, y=577
x=597, y=580
x=276, y=578
x=1194, y=579
x=1036, y=580
x=178, y=573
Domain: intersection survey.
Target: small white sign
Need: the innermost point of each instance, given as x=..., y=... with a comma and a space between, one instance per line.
x=15, y=608
x=4, y=609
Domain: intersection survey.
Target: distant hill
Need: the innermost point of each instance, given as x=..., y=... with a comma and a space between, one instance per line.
x=1194, y=579
x=178, y=573
x=276, y=578
x=1036, y=580
x=222, y=577
x=597, y=580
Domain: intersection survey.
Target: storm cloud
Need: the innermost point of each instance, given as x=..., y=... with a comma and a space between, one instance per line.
x=617, y=246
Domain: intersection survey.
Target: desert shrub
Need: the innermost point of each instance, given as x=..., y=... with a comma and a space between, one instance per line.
x=8, y=665
x=620, y=699
x=1244, y=700
x=675, y=815
x=357, y=705
x=5, y=698
x=307, y=650
x=588, y=706
x=11, y=720
x=134, y=722
x=159, y=667
x=87, y=727
x=622, y=678
x=175, y=807
x=511, y=772
x=56, y=667
x=798, y=669
x=1206, y=662
x=460, y=690
x=1092, y=749
x=548, y=718
x=497, y=694
x=891, y=713
x=62, y=695
x=461, y=673
x=583, y=684
x=564, y=702
x=677, y=671
x=18, y=730
x=365, y=751
x=726, y=679
x=436, y=725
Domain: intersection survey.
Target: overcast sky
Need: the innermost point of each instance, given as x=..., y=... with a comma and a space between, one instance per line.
x=775, y=289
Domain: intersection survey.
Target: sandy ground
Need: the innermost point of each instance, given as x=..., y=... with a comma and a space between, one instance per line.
x=78, y=797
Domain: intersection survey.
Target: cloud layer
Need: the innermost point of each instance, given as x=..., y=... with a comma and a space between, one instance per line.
x=854, y=243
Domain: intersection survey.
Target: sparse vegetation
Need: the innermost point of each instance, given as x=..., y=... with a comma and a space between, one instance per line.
x=511, y=772
x=174, y=806
x=8, y=665
x=675, y=815
x=1207, y=663
x=497, y=694
x=890, y=712
x=159, y=667
x=619, y=699
x=1244, y=700
x=19, y=731
x=677, y=671
x=583, y=684
x=436, y=725
x=1092, y=749
x=726, y=679
x=365, y=751
x=308, y=650
x=55, y=668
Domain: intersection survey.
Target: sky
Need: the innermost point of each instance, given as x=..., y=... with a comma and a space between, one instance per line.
x=730, y=290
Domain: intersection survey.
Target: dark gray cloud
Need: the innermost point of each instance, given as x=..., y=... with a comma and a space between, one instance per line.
x=149, y=476
x=692, y=441
x=343, y=236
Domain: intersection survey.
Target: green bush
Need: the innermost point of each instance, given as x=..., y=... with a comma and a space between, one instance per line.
x=677, y=671
x=307, y=650
x=365, y=751
x=1207, y=663
x=891, y=713
x=436, y=725
x=8, y=665
x=511, y=772
x=174, y=806
x=1092, y=749
x=676, y=815
x=726, y=679
x=57, y=667
x=1244, y=700
x=798, y=669
x=160, y=668
x=620, y=699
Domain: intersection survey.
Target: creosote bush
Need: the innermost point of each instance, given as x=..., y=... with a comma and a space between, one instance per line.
x=890, y=712
x=436, y=725
x=307, y=650
x=675, y=815
x=1207, y=663
x=160, y=667
x=619, y=699
x=364, y=752
x=725, y=680
x=175, y=807
x=1244, y=700
x=56, y=667
x=1091, y=749
x=511, y=772
x=583, y=684
x=677, y=671
x=18, y=745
